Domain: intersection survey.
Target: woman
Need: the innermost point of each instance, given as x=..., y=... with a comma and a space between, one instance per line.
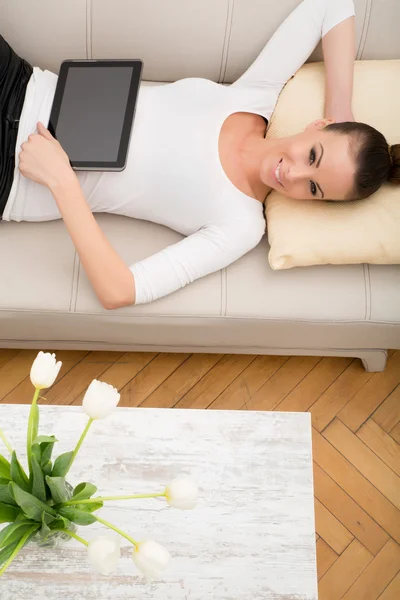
x=200, y=163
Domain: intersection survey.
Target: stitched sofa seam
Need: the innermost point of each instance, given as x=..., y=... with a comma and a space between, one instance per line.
x=89, y=18
x=365, y=29
x=74, y=283
x=227, y=39
x=367, y=292
x=206, y=317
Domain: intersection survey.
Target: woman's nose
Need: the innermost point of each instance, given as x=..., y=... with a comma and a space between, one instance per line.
x=297, y=173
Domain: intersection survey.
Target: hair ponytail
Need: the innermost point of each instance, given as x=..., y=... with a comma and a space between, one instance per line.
x=394, y=175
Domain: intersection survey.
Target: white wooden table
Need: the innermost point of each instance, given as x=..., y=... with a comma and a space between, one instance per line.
x=251, y=537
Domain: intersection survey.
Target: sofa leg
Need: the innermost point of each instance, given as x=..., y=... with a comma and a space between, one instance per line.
x=375, y=362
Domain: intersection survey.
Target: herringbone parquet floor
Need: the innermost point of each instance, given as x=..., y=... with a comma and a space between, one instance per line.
x=356, y=437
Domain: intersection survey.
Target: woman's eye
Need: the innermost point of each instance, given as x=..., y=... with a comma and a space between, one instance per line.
x=313, y=188
x=313, y=156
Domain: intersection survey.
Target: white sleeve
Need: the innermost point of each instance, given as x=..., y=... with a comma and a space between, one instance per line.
x=294, y=41
x=208, y=250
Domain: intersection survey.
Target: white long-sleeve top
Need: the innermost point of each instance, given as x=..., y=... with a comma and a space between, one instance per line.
x=174, y=175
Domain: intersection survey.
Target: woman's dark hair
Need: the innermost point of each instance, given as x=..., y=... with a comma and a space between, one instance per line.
x=377, y=162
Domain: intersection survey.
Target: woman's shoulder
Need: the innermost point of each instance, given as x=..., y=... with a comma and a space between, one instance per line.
x=244, y=229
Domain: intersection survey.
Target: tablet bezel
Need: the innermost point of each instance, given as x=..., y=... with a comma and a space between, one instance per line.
x=137, y=67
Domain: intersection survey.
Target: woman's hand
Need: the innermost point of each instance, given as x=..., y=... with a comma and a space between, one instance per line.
x=340, y=115
x=43, y=160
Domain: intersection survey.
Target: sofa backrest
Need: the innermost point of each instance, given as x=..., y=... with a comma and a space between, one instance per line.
x=216, y=39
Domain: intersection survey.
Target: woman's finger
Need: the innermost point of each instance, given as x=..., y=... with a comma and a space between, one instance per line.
x=43, y=131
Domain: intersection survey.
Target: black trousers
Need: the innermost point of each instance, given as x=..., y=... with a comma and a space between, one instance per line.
x=14, y=76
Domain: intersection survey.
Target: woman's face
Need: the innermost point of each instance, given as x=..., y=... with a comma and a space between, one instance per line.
x=312, y=165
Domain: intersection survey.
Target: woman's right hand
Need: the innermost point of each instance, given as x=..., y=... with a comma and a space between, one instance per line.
x=43, y=159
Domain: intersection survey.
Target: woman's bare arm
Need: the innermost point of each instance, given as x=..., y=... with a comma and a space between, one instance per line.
x=339, y=47
x=43, y=160
x=110, y=277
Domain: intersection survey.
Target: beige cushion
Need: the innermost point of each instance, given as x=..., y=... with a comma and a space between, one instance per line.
x=303, y=233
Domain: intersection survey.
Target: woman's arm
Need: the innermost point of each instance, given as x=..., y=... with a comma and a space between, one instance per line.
x=296, y=38
x=43, y=160
x=339, y=47
x=110, y=277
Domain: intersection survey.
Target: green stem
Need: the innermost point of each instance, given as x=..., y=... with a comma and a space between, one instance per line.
x=19, y=547
x=5, y=441
x=125, y=535
x=105, y=498
x=77, y=537
x=79, y=444
x=30, y=426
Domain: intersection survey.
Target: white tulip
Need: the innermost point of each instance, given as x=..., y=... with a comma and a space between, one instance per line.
x=104, y=553
x=44, y=370
x=151, y=559
x=182, y=493
x=100, y=399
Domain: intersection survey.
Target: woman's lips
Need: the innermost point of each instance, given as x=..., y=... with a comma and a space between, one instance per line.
x=277, y=173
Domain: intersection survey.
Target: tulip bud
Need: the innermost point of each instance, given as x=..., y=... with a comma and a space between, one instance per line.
x=100, y=399
x=104, y=553
x=182, y=493
x=44, y=370
x=151, y=559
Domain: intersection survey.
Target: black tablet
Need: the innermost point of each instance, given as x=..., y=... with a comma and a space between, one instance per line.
x=93, y=111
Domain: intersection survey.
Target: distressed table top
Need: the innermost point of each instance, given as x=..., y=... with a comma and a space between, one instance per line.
x=251, y=537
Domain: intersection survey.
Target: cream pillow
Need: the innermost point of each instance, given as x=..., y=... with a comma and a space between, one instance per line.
x=303, y=233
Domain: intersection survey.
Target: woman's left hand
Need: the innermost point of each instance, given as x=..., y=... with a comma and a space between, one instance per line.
x=43, y=159
x=339, y=114
x=344, y=116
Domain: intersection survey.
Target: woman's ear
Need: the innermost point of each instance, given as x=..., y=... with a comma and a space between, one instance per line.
x=320, y=124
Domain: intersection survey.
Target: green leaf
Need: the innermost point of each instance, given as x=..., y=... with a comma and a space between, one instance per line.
x=21, y=517
x=61, y=464
x=38, y=487
x=5, y=494
x=90, y=507
x=48, y=519
x=14, y=532
x=36, y=452
x=18, y=475
x=8, y=513
x=45, y=439
x=42, y=448
x=58, y=489
x=45, y=529
x=80, y=517
x=60, y=523
x=8, y=550
x=84, y=491
x=47, y=468
x=47, y=450
x=31, y=506
x=4, y=468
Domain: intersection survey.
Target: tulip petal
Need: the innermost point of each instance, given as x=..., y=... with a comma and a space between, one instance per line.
x=182, y=493
x=44, y=370
x=151, y=559
x=100, y=399
x=104, y=553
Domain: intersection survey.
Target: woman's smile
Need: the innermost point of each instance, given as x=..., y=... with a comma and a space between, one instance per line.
x=278, y=173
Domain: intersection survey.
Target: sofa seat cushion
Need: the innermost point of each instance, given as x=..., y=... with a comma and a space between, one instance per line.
x=44, y=275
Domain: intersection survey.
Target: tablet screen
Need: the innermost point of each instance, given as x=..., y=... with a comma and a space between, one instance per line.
x=96, y=105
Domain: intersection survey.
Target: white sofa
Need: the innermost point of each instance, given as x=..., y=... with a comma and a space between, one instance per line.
x=46, y=300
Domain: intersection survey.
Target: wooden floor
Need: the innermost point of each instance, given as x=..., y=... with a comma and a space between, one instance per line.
x=356, y=419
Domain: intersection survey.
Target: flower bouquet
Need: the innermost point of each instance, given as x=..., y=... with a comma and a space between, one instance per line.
x=42, y=507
